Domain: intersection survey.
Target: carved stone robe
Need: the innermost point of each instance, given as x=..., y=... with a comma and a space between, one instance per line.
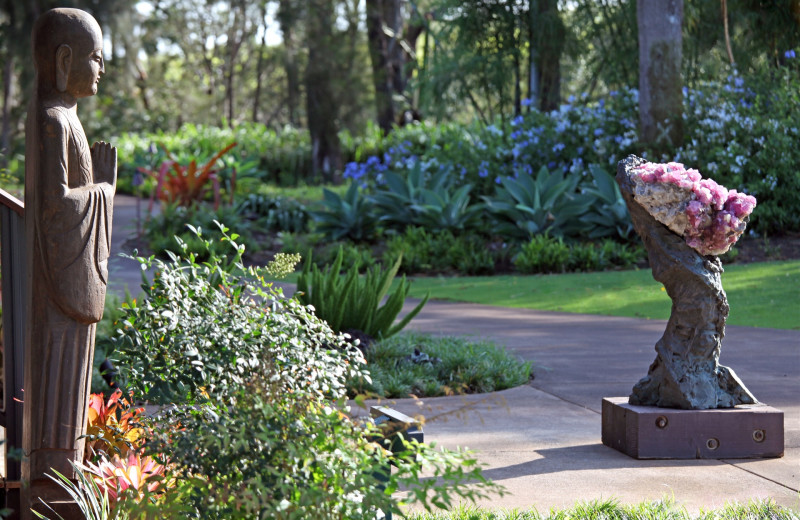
x=68, y=227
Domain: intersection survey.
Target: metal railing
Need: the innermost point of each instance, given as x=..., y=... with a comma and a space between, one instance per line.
x=13, y=267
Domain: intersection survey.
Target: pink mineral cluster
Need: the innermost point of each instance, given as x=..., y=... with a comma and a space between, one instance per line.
x=717, y=216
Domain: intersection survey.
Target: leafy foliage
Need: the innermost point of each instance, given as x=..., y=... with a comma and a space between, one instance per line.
x=545, y=254
x=195, y=227
x=280, y=214
x=187, y=185
x=744, y=135
x=349, y=217
x=433, y=203
x=608, y=214
x=90, y=499
x=260, y=428
x=427, y=252
x=113, y=425
x=351, y=302
x=610, y=509
x=529, y=206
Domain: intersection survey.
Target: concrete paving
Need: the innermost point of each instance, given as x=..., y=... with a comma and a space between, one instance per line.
x=542, y=440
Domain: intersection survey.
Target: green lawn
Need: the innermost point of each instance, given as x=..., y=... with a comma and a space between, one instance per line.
x=760, y=295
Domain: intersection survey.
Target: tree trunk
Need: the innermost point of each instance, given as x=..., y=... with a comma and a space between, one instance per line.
x=288, y=14
x=550, y=44
x=533, y=69
x=321, y=107
x=235, y=38
x=379, y=56
x=660, y=51
x=260, y=67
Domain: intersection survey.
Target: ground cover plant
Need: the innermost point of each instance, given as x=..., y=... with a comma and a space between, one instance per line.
x=424, y=366
x=758, y=293
x=612, y=510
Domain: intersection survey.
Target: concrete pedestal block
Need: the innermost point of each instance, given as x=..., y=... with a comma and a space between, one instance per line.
x=650, y=432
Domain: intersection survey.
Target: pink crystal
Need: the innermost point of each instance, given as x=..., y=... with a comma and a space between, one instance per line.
x=716, y=217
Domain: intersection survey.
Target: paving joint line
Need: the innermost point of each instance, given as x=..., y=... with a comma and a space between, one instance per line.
x=760, y=476
x=560, y=398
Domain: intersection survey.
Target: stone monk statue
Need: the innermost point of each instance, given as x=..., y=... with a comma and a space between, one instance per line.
x=69, y=191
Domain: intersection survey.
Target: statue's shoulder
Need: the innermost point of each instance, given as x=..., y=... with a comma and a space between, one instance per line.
x=53, y=121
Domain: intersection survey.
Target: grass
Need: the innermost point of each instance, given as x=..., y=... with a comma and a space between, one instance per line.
x=761, y=294
x=464, y=367
x=303, y=193
x=611, y=510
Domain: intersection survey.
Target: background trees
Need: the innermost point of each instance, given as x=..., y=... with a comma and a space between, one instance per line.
x=331, y=65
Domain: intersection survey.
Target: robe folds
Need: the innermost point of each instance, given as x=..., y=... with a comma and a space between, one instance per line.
x=68, y=230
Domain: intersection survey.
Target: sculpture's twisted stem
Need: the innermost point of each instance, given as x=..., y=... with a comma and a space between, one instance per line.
x=686, y=372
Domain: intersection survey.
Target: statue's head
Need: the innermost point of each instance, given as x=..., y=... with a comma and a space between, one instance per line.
x=68, y=52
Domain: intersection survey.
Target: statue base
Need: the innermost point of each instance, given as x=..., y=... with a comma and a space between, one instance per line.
x=650, y=432
x=54, y=496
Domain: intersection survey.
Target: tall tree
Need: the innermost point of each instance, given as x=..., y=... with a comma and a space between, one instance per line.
x=547, y=36
x=660, y=84
x=290, y=14
x=382, y=37
x=392, y=34
x=321, y=105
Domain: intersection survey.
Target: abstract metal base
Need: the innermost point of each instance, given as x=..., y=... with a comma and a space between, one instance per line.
x=650, y=432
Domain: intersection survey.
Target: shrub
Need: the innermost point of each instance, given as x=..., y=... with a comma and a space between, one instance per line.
x=353, y=303
x=608, y=215
x=262, y=431
x=190, y=184
x=276, y=214
x=743, y=133
x=176, y=223
x=426, y=252
x=544, y=254
x=426, y=200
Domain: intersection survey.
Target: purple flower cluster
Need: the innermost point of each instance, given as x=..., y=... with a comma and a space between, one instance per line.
x=717, y=216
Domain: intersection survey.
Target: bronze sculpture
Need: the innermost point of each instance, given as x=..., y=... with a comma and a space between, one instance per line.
x=69, y=190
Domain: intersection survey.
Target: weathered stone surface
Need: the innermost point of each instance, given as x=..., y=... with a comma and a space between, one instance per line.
x=69, y=191
x=666, y=202
x=686, y=373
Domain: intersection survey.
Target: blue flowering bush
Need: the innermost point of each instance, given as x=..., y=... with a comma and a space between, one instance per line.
x=745, y=134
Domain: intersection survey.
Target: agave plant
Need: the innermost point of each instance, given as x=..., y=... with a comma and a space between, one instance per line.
x=433, y=203
x=547, y=203
x=350, y=216
x=608, y=215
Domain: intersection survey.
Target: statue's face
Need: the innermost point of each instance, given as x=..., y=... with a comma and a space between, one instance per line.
x=87, y=66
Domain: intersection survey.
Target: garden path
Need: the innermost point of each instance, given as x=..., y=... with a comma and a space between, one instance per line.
x=542, y=440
